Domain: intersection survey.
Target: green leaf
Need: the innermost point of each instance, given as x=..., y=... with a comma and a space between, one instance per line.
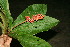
x=24, y=32
x=31, y=10
x=5, y=9
x=32, y=41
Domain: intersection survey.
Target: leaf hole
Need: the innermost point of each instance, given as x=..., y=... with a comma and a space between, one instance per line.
x=1, y=20
x=35, y=27
x=0, y=7
x=37, y=40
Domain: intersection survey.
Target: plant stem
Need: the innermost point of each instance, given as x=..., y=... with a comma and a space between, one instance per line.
x=4, y=25
x=17, y=25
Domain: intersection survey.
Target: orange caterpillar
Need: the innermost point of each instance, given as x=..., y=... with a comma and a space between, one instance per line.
x=34, y=18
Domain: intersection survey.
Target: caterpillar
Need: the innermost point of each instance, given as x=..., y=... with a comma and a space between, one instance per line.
x=34, y=18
